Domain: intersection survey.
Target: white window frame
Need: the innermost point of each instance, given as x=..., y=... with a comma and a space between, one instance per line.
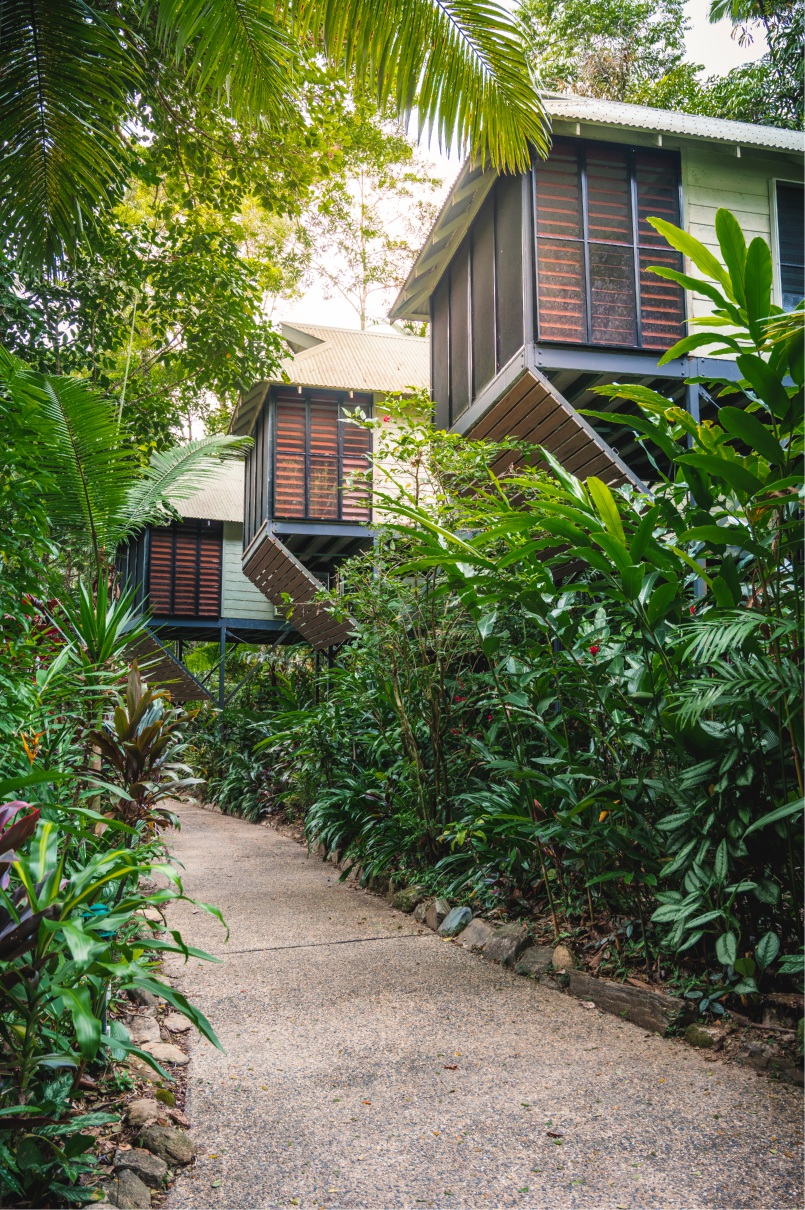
x=777, y=288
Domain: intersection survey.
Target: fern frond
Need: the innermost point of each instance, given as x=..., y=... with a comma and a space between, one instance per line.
x=743, y=683
x=712, y=638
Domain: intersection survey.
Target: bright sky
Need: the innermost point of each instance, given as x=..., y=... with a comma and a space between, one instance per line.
x=711, y=45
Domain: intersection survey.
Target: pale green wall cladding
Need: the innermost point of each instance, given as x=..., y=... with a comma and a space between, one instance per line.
x=239, y=597
x=712, y=178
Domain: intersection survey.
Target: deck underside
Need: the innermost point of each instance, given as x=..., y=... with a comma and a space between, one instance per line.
x=292, y=589
x=534, y=410
x=160, y=667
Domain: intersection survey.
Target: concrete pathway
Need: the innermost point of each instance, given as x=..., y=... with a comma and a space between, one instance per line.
x=369, y=1064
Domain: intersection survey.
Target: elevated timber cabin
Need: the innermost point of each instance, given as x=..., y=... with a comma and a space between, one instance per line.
x=190, y=586
x=304, y=509
x=536, y=286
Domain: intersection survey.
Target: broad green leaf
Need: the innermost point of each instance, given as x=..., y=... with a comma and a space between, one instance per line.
x=632, y=582
x=732, y=243
x=660, y=602
x=699, y=287
x=727, y=948
x=606, y=508
x=689, y=343
x=747, y=428
x=702, y=257
x=643, y=534
x=721, y=862
x=732, y=473
x=767, y=949
x=758, y=284
x=87, y=1026
x=747, y=987
x=787, y=812
x=767, y=385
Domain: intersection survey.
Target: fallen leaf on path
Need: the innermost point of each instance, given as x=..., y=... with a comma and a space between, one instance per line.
x=451, y=1066
x=553, y=1135
x=367, y=1102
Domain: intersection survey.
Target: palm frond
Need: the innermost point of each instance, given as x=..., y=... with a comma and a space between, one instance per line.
x=460, y=63
x=239, y=48
x=709, y=639
x=66, y=77
x=174, y=475
x=760, y=681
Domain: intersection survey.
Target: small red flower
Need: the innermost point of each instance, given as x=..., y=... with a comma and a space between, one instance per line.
x=692, y=609
x=594, y=649
x=386, y=419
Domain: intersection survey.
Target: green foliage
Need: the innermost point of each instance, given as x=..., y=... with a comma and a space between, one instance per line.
x=95, y=489
x=583, y=702
x=630, y=51
x=635, y=52
x=79, y=75
x=96, y=751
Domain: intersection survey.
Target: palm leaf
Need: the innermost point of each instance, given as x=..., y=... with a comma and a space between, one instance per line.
x=173, y=475
x=460, y=63
x=238, y=48
x=64, y=86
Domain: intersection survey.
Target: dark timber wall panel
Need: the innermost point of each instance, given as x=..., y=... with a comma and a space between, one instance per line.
x=484, y=336
x=460, y=331
x=440, y=351
x=509, y=266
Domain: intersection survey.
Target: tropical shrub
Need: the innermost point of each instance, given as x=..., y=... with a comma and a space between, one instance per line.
x=586, y=703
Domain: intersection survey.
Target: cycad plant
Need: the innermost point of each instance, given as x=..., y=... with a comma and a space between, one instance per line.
x=96, y=492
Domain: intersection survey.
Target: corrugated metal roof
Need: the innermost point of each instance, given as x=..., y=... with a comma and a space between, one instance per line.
x=347, y=360
x=343, y=359
x=667, y=121
x=220, y=498
x=473, y=183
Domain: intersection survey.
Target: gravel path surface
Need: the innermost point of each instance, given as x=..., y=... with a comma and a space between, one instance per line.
x=371, y=1064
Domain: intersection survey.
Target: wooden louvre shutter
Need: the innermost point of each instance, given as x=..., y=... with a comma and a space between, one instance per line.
x=160, y=572
x=184, y=574
x=210, y=541
x=662, y=303
x=560, y=250
x=356, y=444
x=289, y=458
x=323, y=460
x=593, y=279
x=613, y=305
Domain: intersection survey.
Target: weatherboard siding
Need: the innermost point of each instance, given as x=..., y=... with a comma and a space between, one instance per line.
x=713, y=179
x=239, y=597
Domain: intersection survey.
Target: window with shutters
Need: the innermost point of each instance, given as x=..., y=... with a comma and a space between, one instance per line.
x=791, y=243
x=184, y=569
x=317, y=456
x=595, y=247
